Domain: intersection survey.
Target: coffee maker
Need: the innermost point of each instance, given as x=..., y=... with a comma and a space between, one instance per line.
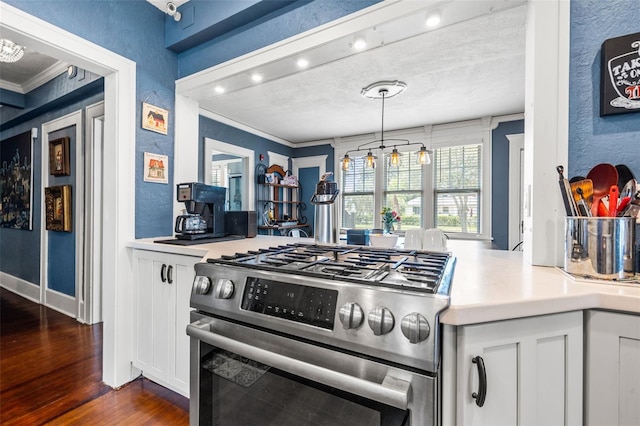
x=204, y=205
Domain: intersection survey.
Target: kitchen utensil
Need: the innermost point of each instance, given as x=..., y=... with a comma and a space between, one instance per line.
x=603, y=176
x=624, y=175
x=624, y=202
x=613, y=201
x=603, y=209
x=629, y=189
x=586, y=187
x=567, y=195
x=583, y=208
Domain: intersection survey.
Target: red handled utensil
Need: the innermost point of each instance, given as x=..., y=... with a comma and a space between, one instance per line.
x=613, y=201
x=603, y=176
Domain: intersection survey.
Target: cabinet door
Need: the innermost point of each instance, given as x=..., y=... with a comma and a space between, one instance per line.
x=152, y=303
x=533, y=371
x=161, y=314
x=183, y=273
x=613, y=369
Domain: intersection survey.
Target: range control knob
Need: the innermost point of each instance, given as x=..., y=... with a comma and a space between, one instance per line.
x=223, y=289
x=351, y=315
x=415, y=327
x=201, y=285
x=381, y=321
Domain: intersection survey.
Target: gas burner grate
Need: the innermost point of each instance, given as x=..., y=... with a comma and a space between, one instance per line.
x=406, y=269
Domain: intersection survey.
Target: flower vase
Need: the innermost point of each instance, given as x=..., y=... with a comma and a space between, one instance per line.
x=387, y=228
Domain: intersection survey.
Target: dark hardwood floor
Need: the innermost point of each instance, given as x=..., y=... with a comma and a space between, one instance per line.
x=51, y=373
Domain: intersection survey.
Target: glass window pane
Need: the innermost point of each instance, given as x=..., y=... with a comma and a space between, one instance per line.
x=457, y=172
x=358, y=211
x=408, y=205
x=403, y=190
x=457, y=167
x=358, y=178
x=458, y=212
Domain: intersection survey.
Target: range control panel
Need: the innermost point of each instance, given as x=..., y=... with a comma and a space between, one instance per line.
x=304, y=304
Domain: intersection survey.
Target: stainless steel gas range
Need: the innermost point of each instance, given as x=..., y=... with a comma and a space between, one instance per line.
x=307, y=334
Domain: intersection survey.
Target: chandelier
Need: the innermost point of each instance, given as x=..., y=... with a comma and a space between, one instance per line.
x=383, y=90
x=9, y=51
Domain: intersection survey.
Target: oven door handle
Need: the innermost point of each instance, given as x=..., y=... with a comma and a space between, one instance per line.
x=392, y=391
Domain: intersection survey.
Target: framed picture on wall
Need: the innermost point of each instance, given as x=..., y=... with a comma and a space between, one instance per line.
x=154, y=118
x=620, y=75
x=58, y=208
x=59, y=157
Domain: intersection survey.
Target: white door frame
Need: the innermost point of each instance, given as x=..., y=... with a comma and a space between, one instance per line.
x=53, y=299
x=516, y=188
x=119, y=153
x=90, y=309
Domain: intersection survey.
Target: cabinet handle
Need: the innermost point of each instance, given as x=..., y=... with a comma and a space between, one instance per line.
x=163, y=273
x=482, y=384
x=170, y=274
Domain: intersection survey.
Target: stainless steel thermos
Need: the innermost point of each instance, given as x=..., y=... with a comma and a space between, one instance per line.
x=325, y=229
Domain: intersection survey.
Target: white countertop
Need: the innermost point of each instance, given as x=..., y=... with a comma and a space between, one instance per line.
x=488, y=285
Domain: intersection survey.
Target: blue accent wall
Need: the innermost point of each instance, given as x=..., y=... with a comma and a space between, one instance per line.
x=135, y=30
x=500, y=181
x=62, y=245
x=613, y=139
x=20, y=250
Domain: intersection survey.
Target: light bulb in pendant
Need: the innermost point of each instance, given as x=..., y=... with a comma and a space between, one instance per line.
x=395, y=158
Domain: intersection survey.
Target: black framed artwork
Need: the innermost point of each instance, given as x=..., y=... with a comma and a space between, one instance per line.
x=620, y=75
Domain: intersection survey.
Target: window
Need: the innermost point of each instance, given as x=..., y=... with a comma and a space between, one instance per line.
x=457, y=177
x=357, y=196
x=403, y=190
x=447, y=194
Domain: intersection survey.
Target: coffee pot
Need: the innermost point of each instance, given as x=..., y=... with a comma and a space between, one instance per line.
x=325, y=230
x=188, y=223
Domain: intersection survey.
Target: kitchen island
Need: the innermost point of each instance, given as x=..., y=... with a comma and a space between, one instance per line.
x=488, y=285
x=551, y=344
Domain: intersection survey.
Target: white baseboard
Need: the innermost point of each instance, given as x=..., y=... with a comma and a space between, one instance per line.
x=20, y=287
x=60, y=302
x=57, y=301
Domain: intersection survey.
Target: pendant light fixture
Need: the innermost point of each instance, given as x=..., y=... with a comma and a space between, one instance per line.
x=9, y=51
x=383, y=90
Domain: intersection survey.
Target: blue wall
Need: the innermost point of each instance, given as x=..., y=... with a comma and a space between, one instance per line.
x=500, y=181
x=135, y=30
x=61, y=275
x=20, y=250
x=593, y=139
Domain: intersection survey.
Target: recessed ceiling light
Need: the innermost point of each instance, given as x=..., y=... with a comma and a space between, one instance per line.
x=257, y=78
x=302, y=63
x=433, y=19
x=219, y=89
x=359, y=43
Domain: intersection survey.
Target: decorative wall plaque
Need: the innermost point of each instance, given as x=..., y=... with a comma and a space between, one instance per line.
x=620, y=75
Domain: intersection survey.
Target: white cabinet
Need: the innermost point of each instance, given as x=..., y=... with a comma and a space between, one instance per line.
x=612, y=369
x=533, y=371
x=162, y=289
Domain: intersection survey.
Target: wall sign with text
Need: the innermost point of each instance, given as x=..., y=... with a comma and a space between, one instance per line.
x=620, y=75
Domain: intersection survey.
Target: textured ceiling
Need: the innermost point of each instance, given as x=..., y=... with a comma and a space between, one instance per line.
x=464, y=71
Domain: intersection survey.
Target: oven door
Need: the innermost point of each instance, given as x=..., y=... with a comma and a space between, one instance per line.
x=244, y=376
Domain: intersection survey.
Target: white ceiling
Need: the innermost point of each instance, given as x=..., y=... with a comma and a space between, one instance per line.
x=471, y=69
x=467, y=70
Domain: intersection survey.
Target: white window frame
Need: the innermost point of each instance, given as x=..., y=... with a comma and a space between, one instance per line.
x=433, y=136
